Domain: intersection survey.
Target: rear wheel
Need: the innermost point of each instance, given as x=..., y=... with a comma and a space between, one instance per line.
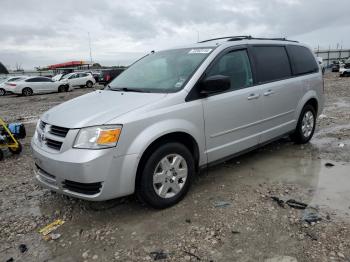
x=61, y=89
x=16, y=151
x=2, y=92
x=166, y=175
x=89, y=84
x=306, y=125
x=27, y=91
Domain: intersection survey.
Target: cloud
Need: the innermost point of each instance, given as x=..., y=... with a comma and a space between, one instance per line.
x=37, y=33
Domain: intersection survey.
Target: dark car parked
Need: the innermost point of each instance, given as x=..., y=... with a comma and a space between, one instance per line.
x=335, y=67
x=108, y=75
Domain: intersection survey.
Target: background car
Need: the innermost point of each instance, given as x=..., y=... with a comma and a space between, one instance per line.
x=335, y=67
x=35, y=85
x=106, y=76
x=78, y=80
x=345, y=70
x=4, y=88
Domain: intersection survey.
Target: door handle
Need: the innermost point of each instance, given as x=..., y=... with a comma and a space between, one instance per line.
x=253, y=96
x=268, y=92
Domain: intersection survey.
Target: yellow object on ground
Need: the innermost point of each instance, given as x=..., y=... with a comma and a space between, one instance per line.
x=51, y=227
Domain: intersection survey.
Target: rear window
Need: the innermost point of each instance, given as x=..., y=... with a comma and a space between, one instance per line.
x=303, y=61
x=272, y=63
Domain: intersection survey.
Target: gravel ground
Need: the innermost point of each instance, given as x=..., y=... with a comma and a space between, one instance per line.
x=228, y=215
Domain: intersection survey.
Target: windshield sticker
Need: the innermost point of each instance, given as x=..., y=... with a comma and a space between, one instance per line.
x=200, y=51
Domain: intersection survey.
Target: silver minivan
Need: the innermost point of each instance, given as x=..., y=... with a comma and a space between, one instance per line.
x=174, y=112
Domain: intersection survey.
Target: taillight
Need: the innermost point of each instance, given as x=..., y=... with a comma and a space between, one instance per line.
x=10, y=84
x=108, y=77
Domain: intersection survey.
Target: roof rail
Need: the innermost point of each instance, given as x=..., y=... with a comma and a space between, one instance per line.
x=246, y=37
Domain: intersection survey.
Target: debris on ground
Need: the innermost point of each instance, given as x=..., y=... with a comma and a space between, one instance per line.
x=51, y=227
x=158, y=255
x=311, y=215
x=23, y=248
x=329, y=164
x=290, y=202
x=279, y=201
x=341, y=145
x=296, y=204
x=192, y=255
x=10, y=259
x=52, y=236
x=222, y=204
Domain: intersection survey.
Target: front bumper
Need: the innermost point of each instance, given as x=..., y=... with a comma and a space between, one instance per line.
x=87, y=174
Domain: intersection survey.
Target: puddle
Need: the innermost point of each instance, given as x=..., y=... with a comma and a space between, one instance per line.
x=326, y=187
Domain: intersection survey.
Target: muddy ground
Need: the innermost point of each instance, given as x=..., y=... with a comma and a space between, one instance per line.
x=228, y=214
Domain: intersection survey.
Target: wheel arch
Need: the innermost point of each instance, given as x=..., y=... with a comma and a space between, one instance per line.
x=176, y=136
x=309, y=98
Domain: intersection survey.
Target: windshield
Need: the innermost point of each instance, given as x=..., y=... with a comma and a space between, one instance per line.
x=161, y=72
x=67, y=75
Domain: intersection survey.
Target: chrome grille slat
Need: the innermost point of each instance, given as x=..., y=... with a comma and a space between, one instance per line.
x=59, y=131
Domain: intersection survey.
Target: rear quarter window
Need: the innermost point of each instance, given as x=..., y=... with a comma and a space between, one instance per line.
x=302, y=60
x=272, y=63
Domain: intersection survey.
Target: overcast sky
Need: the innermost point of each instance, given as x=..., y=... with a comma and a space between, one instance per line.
x=38, y=33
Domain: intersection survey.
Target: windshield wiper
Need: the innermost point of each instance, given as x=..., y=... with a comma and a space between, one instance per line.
x=127, y=89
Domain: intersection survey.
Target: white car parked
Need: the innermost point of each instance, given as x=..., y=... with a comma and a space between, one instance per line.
x=4, y=88
x=35, y=85
x=74, y=80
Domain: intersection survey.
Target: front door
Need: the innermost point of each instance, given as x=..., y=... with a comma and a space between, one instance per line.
x=232, y=118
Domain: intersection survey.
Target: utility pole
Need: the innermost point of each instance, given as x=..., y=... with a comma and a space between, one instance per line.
x=90, y=48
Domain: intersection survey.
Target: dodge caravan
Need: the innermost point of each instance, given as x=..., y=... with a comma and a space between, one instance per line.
x=174, y=112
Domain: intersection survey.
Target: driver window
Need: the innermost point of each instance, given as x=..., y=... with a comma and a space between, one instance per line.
x=235, y=65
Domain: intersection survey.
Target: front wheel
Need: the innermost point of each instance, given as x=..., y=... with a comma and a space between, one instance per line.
x=306, y=125
x=166, y=176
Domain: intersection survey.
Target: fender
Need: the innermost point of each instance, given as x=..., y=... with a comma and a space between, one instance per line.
x=307, y=96
x=168, y=126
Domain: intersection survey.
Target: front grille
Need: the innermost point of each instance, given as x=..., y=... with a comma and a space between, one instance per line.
x=83, y=188
x=54, y=141
x=53, y=144
x=59, y=131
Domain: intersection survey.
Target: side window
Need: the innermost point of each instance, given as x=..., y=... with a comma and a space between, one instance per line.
x=236, y=65
x=272, y=63
x=44, y=79
x=35, y=79
x=303, y=61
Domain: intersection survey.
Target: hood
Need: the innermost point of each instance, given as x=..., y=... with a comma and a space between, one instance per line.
x=97, y=108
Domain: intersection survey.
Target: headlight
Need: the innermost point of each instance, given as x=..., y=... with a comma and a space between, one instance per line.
x=98, y=137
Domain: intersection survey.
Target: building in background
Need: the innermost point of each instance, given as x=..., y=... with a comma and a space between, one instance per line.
x=330, y=56
x=67, y=66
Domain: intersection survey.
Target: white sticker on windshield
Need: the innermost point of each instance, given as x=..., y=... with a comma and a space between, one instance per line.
x=200, y=51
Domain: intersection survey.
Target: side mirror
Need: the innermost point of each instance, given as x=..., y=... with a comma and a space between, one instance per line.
x=215, y=84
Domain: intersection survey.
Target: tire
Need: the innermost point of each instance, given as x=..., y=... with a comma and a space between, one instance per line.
x=89, y=84
x=27, y=91
x=306, y=125
x=61, y=89
x=1, y=155
x=2, y=92
x=16, y=151
x=174, y=184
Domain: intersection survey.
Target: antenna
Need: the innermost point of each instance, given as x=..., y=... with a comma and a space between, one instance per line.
x=90, y=48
